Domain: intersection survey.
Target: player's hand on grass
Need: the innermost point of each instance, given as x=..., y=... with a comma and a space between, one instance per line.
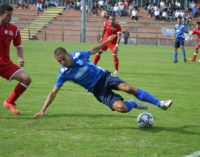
x=39, y=114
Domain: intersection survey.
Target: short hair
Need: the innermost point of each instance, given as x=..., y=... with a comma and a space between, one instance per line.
x=4, y=8
x=179, y=17
x=60, y=50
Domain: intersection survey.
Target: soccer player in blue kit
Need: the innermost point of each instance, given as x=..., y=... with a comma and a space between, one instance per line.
x=76, y=67
x=180, y=29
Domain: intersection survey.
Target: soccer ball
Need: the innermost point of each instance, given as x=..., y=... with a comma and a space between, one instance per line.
x=145, y=120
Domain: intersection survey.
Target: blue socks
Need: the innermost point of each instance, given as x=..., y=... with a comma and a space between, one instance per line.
x=130, y=105
x=183, y=54
x=145, y=96
x=175, y=56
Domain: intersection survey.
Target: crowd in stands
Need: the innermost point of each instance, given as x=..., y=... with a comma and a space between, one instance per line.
x=166, y=11
x=102, y=7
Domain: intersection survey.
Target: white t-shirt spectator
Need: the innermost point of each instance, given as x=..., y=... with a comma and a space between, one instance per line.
x=157, y=12
x=134, y=13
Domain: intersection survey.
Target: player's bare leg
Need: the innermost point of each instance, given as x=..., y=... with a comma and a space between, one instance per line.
x=193, y=58
x=126, y=106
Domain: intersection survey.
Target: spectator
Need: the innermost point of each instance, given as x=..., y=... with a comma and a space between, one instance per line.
x=39, y=6
x=134, y=14
x=164, y=15
x=126, y=36
x=116, y=10
x=157, y=14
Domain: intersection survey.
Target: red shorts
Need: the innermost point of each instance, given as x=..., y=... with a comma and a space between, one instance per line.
x=8, y=71
x=111, y=46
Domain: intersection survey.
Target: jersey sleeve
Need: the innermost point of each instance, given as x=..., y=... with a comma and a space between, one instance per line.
x=85, y=54
x=59, y=81
x=17, y=39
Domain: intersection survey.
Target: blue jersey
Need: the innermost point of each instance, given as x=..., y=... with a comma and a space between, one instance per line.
x=82, y=71
x=179, y=30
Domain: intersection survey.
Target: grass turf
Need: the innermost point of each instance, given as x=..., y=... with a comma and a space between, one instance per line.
x=76, y=125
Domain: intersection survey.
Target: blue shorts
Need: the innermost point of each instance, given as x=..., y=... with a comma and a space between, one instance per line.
x=103, y=90
x=179, y=42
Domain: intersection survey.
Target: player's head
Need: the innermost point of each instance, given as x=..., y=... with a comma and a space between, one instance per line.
x=6, y=13
x=112, y=19
x=179, y=20
x=198, y=24
x=63, y=57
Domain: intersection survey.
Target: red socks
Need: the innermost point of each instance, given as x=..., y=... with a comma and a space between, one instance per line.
x=116, y=62
x=19, y=89
x=97, y=58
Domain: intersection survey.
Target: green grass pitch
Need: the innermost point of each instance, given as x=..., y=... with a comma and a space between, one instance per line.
x=76, y=125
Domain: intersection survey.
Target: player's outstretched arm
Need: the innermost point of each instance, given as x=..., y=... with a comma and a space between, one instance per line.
x=98, y=47
x=50, y=98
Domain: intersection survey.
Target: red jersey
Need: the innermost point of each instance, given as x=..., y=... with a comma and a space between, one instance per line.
x=196, y=31
x=109, y=30
x=8, y=33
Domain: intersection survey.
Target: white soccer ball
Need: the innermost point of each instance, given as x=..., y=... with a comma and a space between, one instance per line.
x=145, y=120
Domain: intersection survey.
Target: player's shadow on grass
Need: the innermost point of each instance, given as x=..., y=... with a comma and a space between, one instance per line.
x=89, y=115
x=185, y=129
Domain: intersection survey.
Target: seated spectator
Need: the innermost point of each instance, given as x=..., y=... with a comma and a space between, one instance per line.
x=116, y=10
x=53, y=3
x=121, y=7
x=177, y=14
x=170, y=13
x=23, y=4
x=134, y=14
x=39, y=6
x=177, y=4
x=182, y=14
x=194, y=11
x=109, y=8
x=164, y=15
x=162, y=5
x=126, y=7
x=78, y=5
x=157, y=14
x=101, y=4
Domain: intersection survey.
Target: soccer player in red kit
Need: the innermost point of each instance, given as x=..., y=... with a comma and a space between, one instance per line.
x=196, y=31
x=110, y=27
x=8, y=70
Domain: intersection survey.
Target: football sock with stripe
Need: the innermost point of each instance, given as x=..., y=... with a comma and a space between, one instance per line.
x=145, y=96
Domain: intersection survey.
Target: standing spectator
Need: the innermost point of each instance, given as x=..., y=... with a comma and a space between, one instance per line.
x=9, y=71
x=110, y=27
x=180, y=29
x=126, y=36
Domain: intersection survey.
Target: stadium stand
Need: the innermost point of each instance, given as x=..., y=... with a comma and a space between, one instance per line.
x=58, y=24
